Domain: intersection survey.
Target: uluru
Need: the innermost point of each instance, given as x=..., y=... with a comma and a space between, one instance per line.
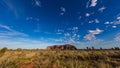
x=61, y=47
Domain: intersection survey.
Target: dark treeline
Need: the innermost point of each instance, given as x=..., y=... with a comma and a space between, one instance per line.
x=2, y=50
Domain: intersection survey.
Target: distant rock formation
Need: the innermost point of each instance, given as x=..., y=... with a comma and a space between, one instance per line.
x=61, y=47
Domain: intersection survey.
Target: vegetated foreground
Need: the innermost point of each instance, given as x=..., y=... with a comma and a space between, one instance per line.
x=60, y=59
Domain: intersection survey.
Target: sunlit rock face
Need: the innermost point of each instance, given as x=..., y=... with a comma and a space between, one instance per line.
x=61, y=47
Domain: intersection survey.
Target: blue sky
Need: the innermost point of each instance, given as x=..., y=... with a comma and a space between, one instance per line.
x=39, y=23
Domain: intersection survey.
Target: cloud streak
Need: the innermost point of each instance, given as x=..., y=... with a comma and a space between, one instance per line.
x=9, y=32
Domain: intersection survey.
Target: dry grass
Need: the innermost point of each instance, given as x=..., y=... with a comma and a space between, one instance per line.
x=60, y=59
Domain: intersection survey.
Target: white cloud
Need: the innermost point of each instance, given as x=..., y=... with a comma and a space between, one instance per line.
x=90, y=37
x=118, y=18
x=90, y=21
x=92, y=33
x=107, y=22
x=114, y=26
x=102, y=9
x=97, y=31
x=87, y=14
x=74, y=42
x=94, y=21
x=93, y=3
x=116, y=22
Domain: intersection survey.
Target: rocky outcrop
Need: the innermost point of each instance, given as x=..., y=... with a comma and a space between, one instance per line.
x=61, y=47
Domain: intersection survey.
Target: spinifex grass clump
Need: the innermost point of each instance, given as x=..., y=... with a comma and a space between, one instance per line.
x=60, y=59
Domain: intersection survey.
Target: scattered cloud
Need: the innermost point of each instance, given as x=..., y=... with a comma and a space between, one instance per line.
x=117, y=21
x=38, y=3
x=102, y=9
x=87, y=14
x=67, y=34
x=94, y=21
x=91, y=21
x=97, y=21
x=63, y=10
x=70, y=35
x=72, y=41
x=118, y=18
x=107, y=22
x=92, y=33
x=32, y=18
x=113, y=23
x=114, y=26
x=75, y=28
x=59, y=31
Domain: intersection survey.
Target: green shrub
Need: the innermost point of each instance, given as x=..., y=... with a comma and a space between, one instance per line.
x=3, y=50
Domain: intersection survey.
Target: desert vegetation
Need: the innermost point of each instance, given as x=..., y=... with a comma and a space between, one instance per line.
x=36, y=58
